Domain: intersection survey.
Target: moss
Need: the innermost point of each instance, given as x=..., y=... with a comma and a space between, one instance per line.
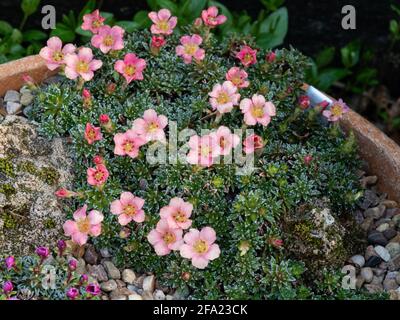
x=46, y=174
x=6, y=167
x=10, y=222
x=304, y=231
x=49, y=223
x=7, y=189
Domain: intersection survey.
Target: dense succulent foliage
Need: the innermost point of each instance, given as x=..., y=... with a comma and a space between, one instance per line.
x=305, y=162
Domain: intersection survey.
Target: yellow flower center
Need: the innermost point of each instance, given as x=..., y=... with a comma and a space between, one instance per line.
x=200, y=246
x=163, y=25
x=99, y=175
x=83, y=225
x=91, y=134
x=130, y=70
x=128, y=146
x=248, y=57
x=337, y=110
x=223, y=98
x=257, y=112
x=96, y=24
x=130, y=210
x=152, y=127
x=180, y=217
x=108, y=41
x=236, y=80
x=82, y=67
x=205, y=151
x=190, y=49
x=169, y=237
x=58, y=56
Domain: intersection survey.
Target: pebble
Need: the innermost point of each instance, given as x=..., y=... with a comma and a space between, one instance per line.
x=147, y=295
x=159, y=295
x=81, y=266
x=169, y=297
x=378, y=272
x=128, y=276
x=390, y=282
x=359, y=282
x=133, y=288
x=370, y=199
x=373, y=261
x=149, y=283
x=98, y=272
x=91, y=255
x=398, y=278
x=26, y=99
x=120, y=283
x=109, y=285
x=383, y=227
x=394, y=263
x=366, y=225
x=393, y=248
x=27, y=110
x=374, y=288
x=376, y=212
x=377, y=279
x=369, y=252
x=383, y=253
x=390, y=233
x=105, y=253
x=12, y=96
x=369, y=180
x=396, y=219
x=377, y=238
x=112, y=270
x=135, y=296
x=367, y=274
x=390, y=204
x=13, y=107
x=358, y=260
x=139, y=281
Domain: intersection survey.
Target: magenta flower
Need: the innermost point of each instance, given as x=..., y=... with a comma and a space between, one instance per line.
x=61, y=245
x=55, y=54
x=247, y=56
x=163, y=23
x=164, y=239
x=10, y=262
x=336, y=111
x=81, y=64
x=151, y=127
x=238, y=77
x=211, y=17
x=83, y=279
x=8, y=287
x=92, y=133
x=93, y=289
x=97, y=176
x=72, y=293
x=199, y=247
x=257, y=110
x=93, y=21
x=131, y=67
x=128, y=143
x=108, y=39
x=128, y=208
x=224, y=97
x=42, y=252
x=226, y=140
x=177, y=213
x=72, y=264
x=190, y=48
x=252, y=143
x=83, y=225
x=203, y=150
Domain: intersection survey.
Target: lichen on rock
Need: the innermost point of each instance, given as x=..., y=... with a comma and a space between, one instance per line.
x=31, y=170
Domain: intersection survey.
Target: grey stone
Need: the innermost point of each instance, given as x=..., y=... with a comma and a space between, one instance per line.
x=379, y=272
x=128, y=276
x=370, y=199
x=396, y=220
x=376, y=212
x=26, y=99
x=149, y=283
x=369, y=252
x=367, y=274
x=133, y=288
x=394, y=263
x=383, y=253
x=393, y=248
x=373, y=261
x=383, y=227
x=390, y=204
x=390, y=233
x=374, y=288
x=398, y=278
x=105, y=253
x=358, y=260
x=27, y=110
x=91, y=256
x=109, y=285
x=390, y=282
x=112, y=270
x=377, y=279
x=98, y=272
x=159, y=295
x=169, y=297
x=377, y=238
x=135, y=296
x=147, y=295
x=81, y=267
x=13, y=107
x=12, y=96
x=366, y=225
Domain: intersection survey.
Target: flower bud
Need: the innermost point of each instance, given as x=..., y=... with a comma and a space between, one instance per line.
x=72, y=293
x=10, y=262
x=43, y=252
x=72, y=265
x=98, y=160
x=307, y=159
x=304, y=102
x=270, y=57
x=8, y=287
x=186, y=276
x=93, y=289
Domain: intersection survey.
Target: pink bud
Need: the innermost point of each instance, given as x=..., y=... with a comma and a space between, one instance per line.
x=72, y=293
x=10, y=262
x=111, y=88
x=198, y=22
x=158, y=41
x=98, y=160
x=72, y=265
x=270, y=57
x=307, y=159
x=28, y=79
x=8, y=287
x=277, y=243
x=84, y=279
x=104, y=119
x=86, y=94
x=43, y=252
x=61, y=245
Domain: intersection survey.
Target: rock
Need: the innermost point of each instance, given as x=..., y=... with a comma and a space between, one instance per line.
x=128, y=276
x=374, y=288
x=366, y=225
x=13, y=107
x=383, y=227
x=373, y=261
x=135, y=296
x=389, y=233
x=376, y=212
x=133, y=288
x=112, y=270
x=358, y=216
x=396, y=219
x=393, y=248
x=34, y=168
x=26, y=99
x=390, y=204
x=109, y=285
x=358, y=260
x=98, y=272
x=359, y=282
x=139, y=281
x=370, y=199
x=396, y=239
x=379, y=272
x=149, y=283
x=369, y=252
x=394, y=263
x=377, y=238
x=394, y=295
x=116, y=295
x=390, y=282
x=169, y=297
x=383, y=253
x=91, y=256
x=27, y=110
x=370, y=180
x=104, y=297
x=121, y=284
x=147, y=295
x=159, y=295
x=81, y=267
x=377, y=279
x=398, y=278
x=105, y=253
x=12, y=96
x=367, y=274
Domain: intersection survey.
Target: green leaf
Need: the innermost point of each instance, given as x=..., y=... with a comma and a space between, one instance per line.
x=328, y=77
x=34, y=35
x=16, y=36
x=394, y=27
x=64, y=32
x=192, y=9
x=89, y=7
x=351, y=54
x=84, y=33
x=273, y=29
x=167, y=4
x=5, y=28
x=108, y=16
x=142, y=19
x=129, y=26
x=29, y=6
x=152, y=4
x=325, y=57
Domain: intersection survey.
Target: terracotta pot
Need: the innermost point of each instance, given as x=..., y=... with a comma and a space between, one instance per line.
x=381, y=153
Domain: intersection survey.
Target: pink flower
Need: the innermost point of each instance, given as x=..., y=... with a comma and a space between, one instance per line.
x=226, y=140
x=8, y=287
x=257, y=110
x=336, y=111
x=93, y=21
x=200, y=247
x=92, y=133
x=81, y=64
x=224, y=97
x=72, y=293
x=163, y=23
x=10, y=262
x=238, y=77
x=247, y=56
x=177, y=213
x=83, y=225
x=93, y=289
x=190, y=48
x=304, y=102
x=211, y=17
x=151, y=127
x=97, y=176
x=109, y=39
x=252, y=143
x=158, y=41
x=55, y=54
x=131, y=67
x=128, y=208
x=270, y=57
x=203, y=150
x=128, y=143
x=164, y=238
